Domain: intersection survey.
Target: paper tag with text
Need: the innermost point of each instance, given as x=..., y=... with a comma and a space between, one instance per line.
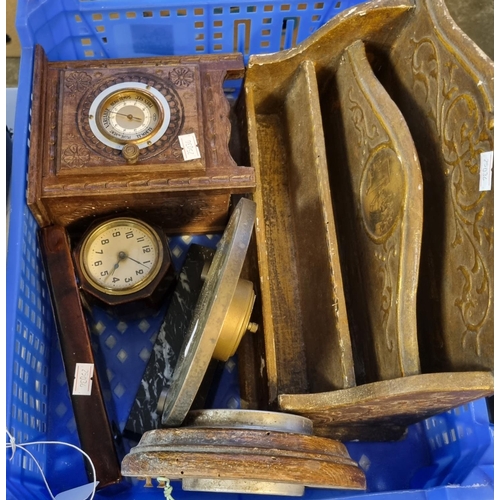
x=485, y=170
x=82, y=385
x=189, y=145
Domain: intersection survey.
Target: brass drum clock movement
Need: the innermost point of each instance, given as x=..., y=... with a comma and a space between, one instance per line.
x=150, y=136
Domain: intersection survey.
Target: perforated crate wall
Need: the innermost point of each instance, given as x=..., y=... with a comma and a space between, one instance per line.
x=106, y=29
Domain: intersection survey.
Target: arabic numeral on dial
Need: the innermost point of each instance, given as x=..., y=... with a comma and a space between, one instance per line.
x=129, y=280
x=98, y=263
x=129, y=234
x=115, y=280
x=104, y=273
x=116, y=234
x=146, y=249
x=104, y=242
x=139, y=271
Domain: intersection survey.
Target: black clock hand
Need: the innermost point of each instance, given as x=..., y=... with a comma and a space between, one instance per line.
x=121, y=256
x=130, y=117
x=139, y=262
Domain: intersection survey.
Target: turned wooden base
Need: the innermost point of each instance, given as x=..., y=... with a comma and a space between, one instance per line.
x=262, y=459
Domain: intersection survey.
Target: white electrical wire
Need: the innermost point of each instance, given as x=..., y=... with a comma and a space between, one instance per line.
x=14, y=446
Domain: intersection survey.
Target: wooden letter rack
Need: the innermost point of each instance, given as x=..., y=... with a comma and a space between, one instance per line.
x=375, y=245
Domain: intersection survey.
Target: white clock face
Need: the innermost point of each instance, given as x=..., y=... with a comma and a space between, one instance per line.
x=129, y=113
x=130, y=116
x=121, y=256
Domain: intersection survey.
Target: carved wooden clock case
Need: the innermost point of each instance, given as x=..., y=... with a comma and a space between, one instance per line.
x=106, y=140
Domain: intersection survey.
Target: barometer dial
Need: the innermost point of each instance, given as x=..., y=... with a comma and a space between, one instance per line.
x=129, y=113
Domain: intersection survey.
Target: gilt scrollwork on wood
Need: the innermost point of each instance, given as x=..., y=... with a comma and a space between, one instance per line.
x=384, y=189
x=382, y=198
x=443, y=84
x=462, y=129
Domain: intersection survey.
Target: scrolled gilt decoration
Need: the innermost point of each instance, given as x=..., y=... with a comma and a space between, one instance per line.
x=434, y=75
x=422, y=339
x=445, y=92
x=383, y=187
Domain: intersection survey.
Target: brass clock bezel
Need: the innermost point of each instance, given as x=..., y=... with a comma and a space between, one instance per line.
x=138, y=286
x=112, y=92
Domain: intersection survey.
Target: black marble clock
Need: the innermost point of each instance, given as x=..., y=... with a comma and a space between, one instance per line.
x=143, y=415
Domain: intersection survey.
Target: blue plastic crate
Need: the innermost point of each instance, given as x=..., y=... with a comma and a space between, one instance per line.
x=454, y=448
x=72, y=29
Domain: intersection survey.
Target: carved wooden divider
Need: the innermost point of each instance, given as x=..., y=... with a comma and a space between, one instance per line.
x=348, y=201
x=445, y=91
x=295, y=220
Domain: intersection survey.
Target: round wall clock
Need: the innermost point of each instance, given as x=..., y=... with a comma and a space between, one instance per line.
x=123, y=259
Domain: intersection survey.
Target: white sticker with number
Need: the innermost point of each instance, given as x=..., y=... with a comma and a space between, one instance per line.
x=485, y=171
x=189, y=145
x=82, y=385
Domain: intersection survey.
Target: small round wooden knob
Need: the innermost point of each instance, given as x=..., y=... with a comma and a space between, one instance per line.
x=131, y=153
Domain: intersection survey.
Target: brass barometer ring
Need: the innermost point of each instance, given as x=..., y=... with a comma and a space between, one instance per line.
x=129, y=113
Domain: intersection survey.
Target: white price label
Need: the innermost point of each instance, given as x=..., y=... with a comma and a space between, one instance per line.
x=82, y=385
x=189, y=145
x=485, y=171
